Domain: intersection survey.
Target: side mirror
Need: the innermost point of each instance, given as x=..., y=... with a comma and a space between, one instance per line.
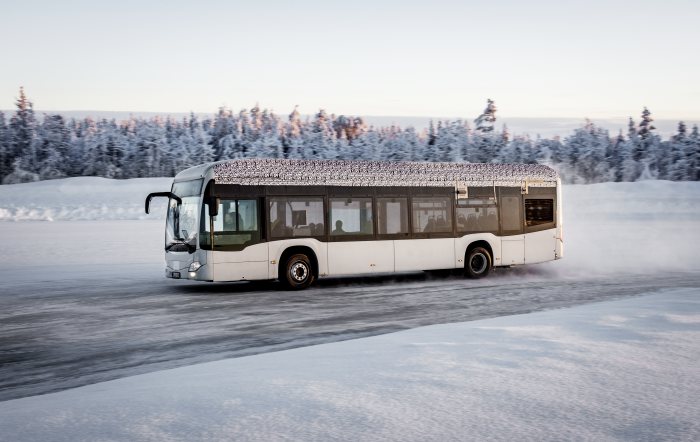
x=214, y=206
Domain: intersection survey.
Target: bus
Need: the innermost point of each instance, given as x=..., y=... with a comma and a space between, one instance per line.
x=300, y=220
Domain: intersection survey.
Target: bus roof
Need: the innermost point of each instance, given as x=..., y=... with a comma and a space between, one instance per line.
x=373, y=173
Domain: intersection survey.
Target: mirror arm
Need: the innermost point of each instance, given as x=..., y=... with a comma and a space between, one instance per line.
x=163, y=194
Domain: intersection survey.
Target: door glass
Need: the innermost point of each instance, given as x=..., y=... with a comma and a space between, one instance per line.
x=392, y=216
x=510, y=214
x=235, y=227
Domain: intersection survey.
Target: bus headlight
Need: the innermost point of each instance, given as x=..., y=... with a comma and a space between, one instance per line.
x=194, y=266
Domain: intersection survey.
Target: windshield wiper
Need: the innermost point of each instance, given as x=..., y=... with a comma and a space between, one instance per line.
x=180, y=245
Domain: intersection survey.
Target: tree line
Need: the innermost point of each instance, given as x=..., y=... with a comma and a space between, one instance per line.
x=33, y=149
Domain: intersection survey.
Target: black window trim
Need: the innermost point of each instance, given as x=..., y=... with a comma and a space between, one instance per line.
x=264, y=194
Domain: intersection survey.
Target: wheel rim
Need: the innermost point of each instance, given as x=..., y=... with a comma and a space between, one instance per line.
x=478, y=263
x=299, y=271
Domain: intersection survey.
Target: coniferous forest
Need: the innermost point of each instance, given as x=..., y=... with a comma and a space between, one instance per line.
x=50, y=146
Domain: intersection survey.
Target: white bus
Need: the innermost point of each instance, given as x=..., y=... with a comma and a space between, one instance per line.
x=300, y=220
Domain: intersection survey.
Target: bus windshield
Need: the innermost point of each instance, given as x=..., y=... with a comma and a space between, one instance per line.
x=182, y=222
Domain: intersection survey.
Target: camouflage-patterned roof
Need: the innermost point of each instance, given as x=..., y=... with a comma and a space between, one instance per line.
x=379, y=173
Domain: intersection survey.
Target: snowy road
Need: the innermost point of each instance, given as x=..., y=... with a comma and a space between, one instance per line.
x=60, y=333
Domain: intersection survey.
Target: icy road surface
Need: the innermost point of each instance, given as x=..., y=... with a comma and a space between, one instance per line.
x=60, y=332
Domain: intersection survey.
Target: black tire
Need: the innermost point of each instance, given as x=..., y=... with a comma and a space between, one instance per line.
x=298, y=272
x=477, y=262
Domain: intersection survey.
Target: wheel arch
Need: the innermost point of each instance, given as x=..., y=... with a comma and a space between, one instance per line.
x=479, y=243
x=293, y=250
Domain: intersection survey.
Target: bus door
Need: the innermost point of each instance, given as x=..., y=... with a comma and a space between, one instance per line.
x=352, y=248
x=511, y=225
x=540, y=225
x=238, y=252
x=432, y=246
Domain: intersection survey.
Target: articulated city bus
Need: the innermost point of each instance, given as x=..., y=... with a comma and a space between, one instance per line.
x=300, y=220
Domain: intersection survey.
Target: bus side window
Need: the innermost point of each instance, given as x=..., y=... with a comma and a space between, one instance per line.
x=539, y=211
x=392, y=216
x=477, y=215
x=351, y=216
x=297, y=216
x=432, y=214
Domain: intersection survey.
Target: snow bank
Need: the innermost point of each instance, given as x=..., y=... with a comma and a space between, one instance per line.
x=609, y=371
x=84, y=198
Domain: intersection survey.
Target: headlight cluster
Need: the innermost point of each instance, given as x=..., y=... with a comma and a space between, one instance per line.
x=194, y=266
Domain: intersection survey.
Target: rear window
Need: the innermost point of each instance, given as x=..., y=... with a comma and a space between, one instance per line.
x=539, y=211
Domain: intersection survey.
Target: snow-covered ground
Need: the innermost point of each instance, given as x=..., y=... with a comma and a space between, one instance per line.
x=625, y=369
x=83, y=198
x=621, y=370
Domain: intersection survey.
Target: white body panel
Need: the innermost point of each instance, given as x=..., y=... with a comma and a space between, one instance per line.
x=424, y=254
x=559, y=247
x=178, y=261
x=247, y=264
x=513, y=249
x=347, y=258
x=540, y=246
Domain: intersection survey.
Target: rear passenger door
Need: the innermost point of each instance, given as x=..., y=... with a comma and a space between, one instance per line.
x=510, y=203
x=352, y=248
x=540, y=225
x=433, y=246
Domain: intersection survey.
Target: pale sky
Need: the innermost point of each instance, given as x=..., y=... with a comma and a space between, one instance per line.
x=535, y=58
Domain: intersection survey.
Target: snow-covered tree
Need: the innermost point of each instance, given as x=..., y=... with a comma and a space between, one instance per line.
x=694, y=155
x=654, y=159
x=485, y=122
x=586, y=153
x=632, y=154
x=320, y=137
x=548, y=151
x=105, y=151
x=52, y=145
x=23, y=133
x=5, y=155
x=517, y=150
x=293, y=141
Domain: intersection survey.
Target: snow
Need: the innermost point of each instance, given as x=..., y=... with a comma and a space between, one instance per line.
x=84, y=198
x=643, y=227
x=609, y=371
x=615, y=370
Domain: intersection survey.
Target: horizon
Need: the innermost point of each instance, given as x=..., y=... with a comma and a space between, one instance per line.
x=516, y=125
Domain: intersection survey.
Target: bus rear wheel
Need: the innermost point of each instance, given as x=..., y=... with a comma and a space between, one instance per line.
x=478, y=263
x=298, y=273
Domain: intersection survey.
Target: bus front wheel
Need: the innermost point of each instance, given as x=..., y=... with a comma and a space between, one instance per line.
x=298, y=272
x=478, y=262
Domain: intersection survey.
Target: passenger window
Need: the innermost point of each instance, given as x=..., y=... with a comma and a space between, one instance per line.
x=475, y=215
x=432, y=215
x=296, y=216
x=351, y=216
x=392, y=216
x=539, y=211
